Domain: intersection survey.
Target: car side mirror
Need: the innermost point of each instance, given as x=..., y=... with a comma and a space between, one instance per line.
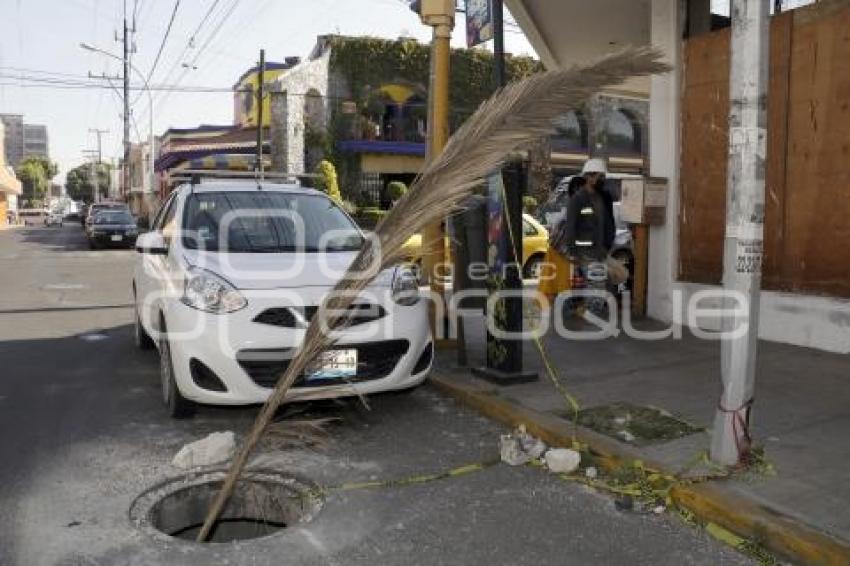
x=151, y=243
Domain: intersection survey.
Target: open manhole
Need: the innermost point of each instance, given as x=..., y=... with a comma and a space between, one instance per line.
x=263, y=503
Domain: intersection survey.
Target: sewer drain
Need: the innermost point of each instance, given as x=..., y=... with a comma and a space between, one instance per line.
x=263, y=503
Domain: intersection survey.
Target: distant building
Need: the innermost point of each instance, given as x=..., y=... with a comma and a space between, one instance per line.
x=13, y=125
x=23, y=140
x=35, y=141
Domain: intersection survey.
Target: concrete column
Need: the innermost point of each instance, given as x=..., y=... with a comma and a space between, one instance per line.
x=742, y=253
x=278, y=128
x=666, y=26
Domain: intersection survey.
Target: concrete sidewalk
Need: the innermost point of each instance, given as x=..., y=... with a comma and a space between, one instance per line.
x=801, y=414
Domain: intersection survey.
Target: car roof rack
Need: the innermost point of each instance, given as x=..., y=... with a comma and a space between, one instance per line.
x=195, y=176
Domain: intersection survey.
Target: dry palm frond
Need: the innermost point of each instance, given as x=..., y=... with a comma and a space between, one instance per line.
x=520, y=112
x=298, y=433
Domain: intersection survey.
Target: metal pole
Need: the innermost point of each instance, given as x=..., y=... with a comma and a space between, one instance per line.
x=742, y=256
x=441, y=19
x=126, y=167
x=260, y=96
x=498, y=44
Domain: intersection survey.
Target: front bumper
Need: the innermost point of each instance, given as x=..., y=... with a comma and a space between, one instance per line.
x=247, y=356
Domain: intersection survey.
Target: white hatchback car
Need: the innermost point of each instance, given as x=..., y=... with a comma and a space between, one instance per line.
x=229, y=277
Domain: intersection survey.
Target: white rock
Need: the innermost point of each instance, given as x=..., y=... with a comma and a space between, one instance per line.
x=562, y=460
x=520, y=447
x=215, y=448
x=590, y=472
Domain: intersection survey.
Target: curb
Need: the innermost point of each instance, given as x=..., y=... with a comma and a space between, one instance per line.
x=711, y=502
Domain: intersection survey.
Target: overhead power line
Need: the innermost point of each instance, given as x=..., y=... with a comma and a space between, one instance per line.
x=164, y=39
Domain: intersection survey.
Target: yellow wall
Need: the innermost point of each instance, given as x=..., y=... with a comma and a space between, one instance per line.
x=246, y=118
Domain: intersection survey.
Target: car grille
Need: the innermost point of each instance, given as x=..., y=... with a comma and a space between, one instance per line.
x=375, y=360
x=286, y=318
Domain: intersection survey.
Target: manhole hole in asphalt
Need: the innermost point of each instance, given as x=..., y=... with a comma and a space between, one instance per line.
x=263, y=503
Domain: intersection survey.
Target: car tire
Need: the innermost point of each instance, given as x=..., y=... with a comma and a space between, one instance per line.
x=531, y=270
x=141, y=338
x=178, y=407
x=93, y=245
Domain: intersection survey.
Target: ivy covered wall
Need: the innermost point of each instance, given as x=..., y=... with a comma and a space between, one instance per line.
x=368, y=62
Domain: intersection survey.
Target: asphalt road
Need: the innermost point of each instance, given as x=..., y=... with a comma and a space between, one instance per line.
x=82, y=434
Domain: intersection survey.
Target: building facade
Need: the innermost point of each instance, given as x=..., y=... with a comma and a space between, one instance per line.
x=23, y=140
x=10, y=187
x=805, y=298
x=362, y=103
x=35, y=141
x=13, y=139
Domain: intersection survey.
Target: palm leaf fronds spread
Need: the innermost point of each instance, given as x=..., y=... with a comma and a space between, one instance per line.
x=520, y=112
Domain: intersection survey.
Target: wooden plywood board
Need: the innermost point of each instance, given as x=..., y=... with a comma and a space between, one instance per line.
x=705, y=133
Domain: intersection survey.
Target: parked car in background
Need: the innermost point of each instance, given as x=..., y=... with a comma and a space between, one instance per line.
x=535, y=241
x=93, y=209
x=229, y=276
x=114, y=227
x=32, y=216
x=54, y=218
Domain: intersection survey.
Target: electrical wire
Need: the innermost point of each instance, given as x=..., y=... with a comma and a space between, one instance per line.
x=164, y=40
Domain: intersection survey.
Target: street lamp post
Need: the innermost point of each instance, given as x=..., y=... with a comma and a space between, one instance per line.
x=146, y=87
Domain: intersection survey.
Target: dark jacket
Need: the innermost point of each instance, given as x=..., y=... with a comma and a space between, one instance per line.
x=589, y=227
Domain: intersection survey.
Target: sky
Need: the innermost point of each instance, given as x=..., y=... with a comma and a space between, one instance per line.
x=40, y=38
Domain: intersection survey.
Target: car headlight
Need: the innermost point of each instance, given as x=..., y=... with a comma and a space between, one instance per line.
x=206, y=291
x=132, y=231
x=405, y=286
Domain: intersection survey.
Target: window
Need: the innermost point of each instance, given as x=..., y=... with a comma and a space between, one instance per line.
x=267, y=222
x=623, y=133
x=570, y=132
x=528, y=228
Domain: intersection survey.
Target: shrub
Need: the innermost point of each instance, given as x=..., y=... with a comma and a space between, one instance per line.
x=396, y=190
x=327, y=180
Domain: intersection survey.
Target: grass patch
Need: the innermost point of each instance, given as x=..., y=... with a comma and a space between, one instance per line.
x=636, y=425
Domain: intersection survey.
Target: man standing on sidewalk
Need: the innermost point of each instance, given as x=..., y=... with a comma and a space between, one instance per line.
x=590, y=230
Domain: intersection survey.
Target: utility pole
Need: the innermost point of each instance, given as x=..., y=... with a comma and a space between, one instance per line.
x=125, y=170
x=260, y=98
x=99, y=133
x=440, y=15
x=94, y=171
x=742, y=254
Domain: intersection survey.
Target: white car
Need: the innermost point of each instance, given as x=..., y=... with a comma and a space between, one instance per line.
x=228, y=278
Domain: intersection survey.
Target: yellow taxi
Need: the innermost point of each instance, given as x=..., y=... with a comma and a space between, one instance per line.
x=535, y=241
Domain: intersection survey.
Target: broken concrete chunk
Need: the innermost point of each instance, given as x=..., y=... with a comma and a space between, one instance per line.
x=215, y=448
x=520, y=448
x=562, y=460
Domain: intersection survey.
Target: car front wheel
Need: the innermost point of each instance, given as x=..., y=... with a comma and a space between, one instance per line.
x=178, y=406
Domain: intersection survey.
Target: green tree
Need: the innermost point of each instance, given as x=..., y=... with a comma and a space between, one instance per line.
x=79, y=181
x=396, y=190
x=35, y=174
x=327, y=180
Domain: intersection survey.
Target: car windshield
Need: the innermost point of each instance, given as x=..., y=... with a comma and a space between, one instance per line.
x=113, y=217
x=267, y=222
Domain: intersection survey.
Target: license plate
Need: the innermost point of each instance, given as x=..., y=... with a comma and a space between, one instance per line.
x=117, y=237
x=334, y=364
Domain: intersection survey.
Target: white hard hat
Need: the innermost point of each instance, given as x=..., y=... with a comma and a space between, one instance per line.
x=594, y=165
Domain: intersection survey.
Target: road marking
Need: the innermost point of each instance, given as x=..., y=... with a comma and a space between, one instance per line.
x=64, y=286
